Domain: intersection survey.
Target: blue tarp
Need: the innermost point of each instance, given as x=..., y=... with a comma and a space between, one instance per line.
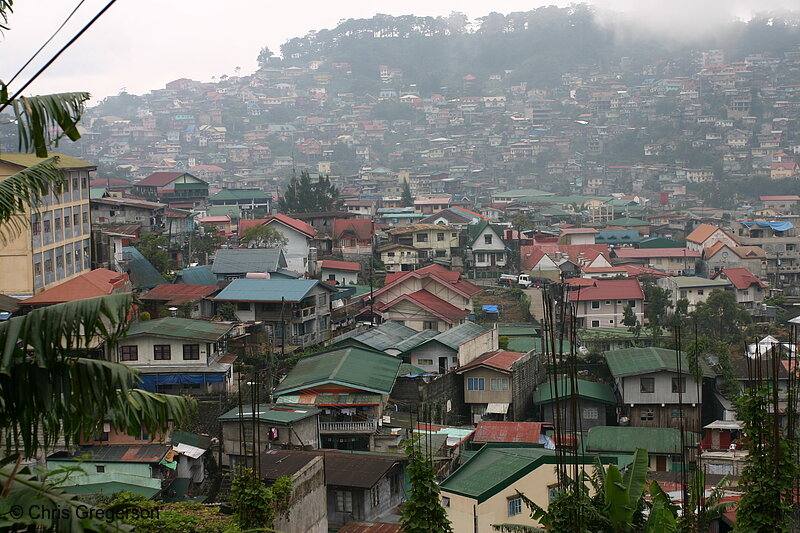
x=490, y=308
x=775, y=225
x=151, y=382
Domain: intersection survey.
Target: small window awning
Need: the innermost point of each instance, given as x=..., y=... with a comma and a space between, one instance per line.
x=497, y=408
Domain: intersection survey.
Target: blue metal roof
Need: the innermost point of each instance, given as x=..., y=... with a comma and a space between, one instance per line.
x=269, y=290
x=142, y=272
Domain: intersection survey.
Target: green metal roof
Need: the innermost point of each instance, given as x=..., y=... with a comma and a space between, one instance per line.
x=197, y=275
x=269, y=290
x=96, y=192
x=360, y=368
x=632, y=361
x=597, y=334
x=696, y=281
x=243, y=260
x=271, y=413
x=493, y=468
x=64, y=161
x=523, y=192
x=233, y=211
x=518, y=329
x=523, y=344
x=239, y=194
x=407, y=369
x=181, y=328
x=591, y=390
x=627, y=439
x=455, y=337
x=660, y=242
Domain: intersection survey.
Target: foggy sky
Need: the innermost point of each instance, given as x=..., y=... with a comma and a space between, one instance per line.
x=142, y=44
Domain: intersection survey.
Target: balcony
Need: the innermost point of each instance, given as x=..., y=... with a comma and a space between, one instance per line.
x=367, y=426
x=306, y=340
x=305, y=313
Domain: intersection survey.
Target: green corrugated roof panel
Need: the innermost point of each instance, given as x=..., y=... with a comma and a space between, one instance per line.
x=523, y=344
x=64, y=161
x=233, y=211
x=632, y=361
x=269, y=290
x=239, y=194
x=518, y=330
x=242, y=260
x=627, y=439
x=407, y=369
x=455, y=337
x=590, y=390
x=197, y=275
x=492, y=469
x=110, y=488
x=96, y=192
x=365, y=369
x=181, y=328
x=660, y=242
x=142, y=272
x=415, y=340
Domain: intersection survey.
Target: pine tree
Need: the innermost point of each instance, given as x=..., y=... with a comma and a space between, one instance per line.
x=423, y=512
x=306, y=196
x=407, y=199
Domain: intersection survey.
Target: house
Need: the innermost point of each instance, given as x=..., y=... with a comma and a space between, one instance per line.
x=53, y=244
x=782, y=203
x=720, y=256
x=399, y=257
x=485, y=490
x=352, y=236
x=545, y=259
x=351, y=386
x=178, y=355
x=248, y=200
x=749, y=289
x=360, y=486
x=107, y=470
x=432, y=297
x=178, y=189
x=190, y=300
x=652, y=383
x=100, y=282
x=596, y=403
x=498, y=385
x=450, y=217
x=784, y=169
x=111, y=210
x=489, y=251
x=692, y=288
x=578, y=236
x=340, y=272
x=196, y=275
x=449, y=349
x=602, y=302
x=278, y=426
x=432, y=241
x=296, y=311
x=672, y=261
x=663, y=444
x=501, y=432
x=706, y=235
x=237, y=263
x=297, y=233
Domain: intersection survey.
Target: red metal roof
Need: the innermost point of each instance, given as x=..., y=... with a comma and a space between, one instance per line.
x=635, y=271
x=433, y=304
x=370, y=527
x=608, y=289
x=100, y=282
x=490, y=431
x=742, y=278
x=501, y=360
x=179, y=293
x=350, y=266
x=448, y=278
x=293, y=223
x=159, y=179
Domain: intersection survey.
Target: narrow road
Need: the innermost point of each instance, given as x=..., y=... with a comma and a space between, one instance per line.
x=536, y=305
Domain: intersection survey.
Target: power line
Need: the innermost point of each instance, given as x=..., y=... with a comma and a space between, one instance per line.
x=61, y=51
x=28, y=62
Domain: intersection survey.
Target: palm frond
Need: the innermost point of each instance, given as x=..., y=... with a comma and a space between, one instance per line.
x=43, y=120
x=47, y=391
x=6, y=7
x=25, y=190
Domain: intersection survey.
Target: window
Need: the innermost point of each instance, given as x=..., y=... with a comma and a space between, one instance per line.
x=487, y=239
x=590, y=413
x=647, y=385
x=475, y=384
x=454, y=235
x=445, y=501
x=440, y=237
x=191, y=352
x=595, y=323
x=100, y=468
x=85, y=217
x=632, y=303
x=143, y=435
x=323, y=299
x=428, y=325
x=48, y=265
x=608, y=302
x=66, y=221
x=683, y=294
x=422, y=237
x=553, y=491
x=499, y=383
x=375, y=496
x=76, y=219
x=344, y=501
x=595, y=304
x=58, y=223
x=46, y=225
x=128, y=353
x=647, y=415
x=481, y=258
x=243, y=306
x=161, y=352
x=35, y=228
x=390, y=254
x=514, y=506
x=678, y=385
x=37, y=269
x=677, y=413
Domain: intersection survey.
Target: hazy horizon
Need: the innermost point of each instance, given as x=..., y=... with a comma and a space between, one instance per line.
x=139, y=46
